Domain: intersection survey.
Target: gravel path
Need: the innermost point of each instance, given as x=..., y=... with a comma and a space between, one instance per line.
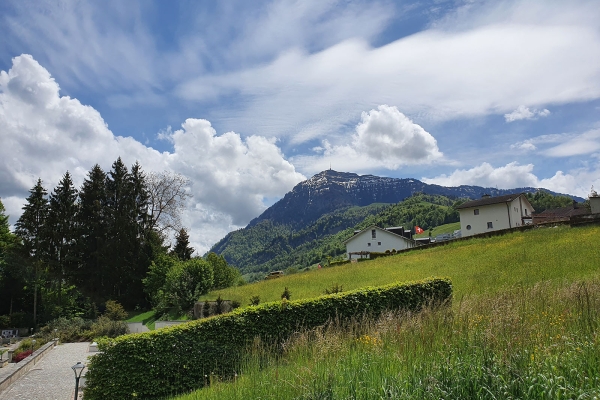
x=52, y=378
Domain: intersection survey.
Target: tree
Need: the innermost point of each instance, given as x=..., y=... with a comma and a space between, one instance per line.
x=7, y=239
x=156, y=277
x=10, y=278
x=167, y=198
x=91, y=274
x=224, y=274
x=182, y=247
x=186, y=282
x=31, y=229
x=61, y=230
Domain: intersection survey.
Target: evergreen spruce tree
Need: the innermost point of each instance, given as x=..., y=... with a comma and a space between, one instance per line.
x=62, y=232
x=10, y=279
x=182, y=247
x=121, y=232
x=31, y=229
x=91, y=275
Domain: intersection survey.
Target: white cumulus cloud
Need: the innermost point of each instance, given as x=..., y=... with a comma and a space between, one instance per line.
x=44, y=134
x=384, y=138
x=512, y=175
x=523, y=112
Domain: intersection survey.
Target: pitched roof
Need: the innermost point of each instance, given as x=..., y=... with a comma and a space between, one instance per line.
x=569, y=211
x=489, y=200
x=356, y=233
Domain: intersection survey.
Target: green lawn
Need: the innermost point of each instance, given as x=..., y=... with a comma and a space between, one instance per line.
x=438, y=230
x=475, y=266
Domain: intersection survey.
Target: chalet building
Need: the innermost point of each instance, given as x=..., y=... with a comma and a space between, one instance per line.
x=378, y=240
x=494, y=213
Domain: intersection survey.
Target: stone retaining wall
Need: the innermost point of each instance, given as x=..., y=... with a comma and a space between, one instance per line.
x=27, y=364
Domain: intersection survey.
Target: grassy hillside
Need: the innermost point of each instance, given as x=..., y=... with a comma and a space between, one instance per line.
x=438, y=230
x=475, y=266
x=525, y=324
x=268, y=246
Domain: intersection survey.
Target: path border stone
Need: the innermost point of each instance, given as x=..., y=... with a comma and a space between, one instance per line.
x=27, y=364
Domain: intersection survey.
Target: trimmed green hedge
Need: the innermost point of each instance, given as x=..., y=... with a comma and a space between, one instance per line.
x=181, y=358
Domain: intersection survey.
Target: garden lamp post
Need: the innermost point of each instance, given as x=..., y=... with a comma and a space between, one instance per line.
x=78, y=369
x=32, y=345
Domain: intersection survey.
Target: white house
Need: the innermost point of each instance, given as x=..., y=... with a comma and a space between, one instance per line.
x=377, y=240
x=494, y=213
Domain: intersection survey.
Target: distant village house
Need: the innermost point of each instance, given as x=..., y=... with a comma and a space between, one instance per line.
x=494, y=213
x=378, y=240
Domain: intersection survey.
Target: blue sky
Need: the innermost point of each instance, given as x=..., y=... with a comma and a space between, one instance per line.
x=248, y=98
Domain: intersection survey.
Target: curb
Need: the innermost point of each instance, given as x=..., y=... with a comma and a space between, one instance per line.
x=27, y=365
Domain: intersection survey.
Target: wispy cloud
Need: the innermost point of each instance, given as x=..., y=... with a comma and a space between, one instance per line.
x=523, y=112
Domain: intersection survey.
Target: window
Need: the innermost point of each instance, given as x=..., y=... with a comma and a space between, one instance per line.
x=468, y=227
x=378, y=243
x=525, y=211
x=490, y=225
x=476, y=211
x=368, y=244
x=373, y=233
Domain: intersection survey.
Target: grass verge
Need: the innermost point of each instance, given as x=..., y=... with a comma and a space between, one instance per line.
x=537, y=341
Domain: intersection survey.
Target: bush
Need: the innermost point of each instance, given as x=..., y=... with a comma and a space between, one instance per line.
x=286, y=294
x=115, y=311
x=21, y=356
x=255, y=300
x=81, y=330
x=106, y=327
x=150, y=365
x=4, y=321
x=335, y=288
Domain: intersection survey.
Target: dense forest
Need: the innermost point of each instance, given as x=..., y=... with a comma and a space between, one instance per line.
x=75, y=249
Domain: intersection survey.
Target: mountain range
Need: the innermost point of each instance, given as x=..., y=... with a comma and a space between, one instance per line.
x=325, y=205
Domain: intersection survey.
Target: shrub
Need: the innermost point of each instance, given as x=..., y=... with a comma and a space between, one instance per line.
x=219, y=305
x=255, y=300
x=286, y=294
x=150, y=365
x=115, y=311
x=4, y=321
x=21, y=356
x=335, y=288
x=106, y=327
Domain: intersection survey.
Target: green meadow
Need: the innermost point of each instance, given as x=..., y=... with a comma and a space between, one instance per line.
x=524, y=324
x=476, y=266
x=438, y=230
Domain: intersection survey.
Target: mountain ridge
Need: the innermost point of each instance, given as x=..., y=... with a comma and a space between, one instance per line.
x=329, y=190
x=323, y=206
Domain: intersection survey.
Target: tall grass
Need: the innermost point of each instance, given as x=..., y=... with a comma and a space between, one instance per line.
x=536, y=341
x=475, y=266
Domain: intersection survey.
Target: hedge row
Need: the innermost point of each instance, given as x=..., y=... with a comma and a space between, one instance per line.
x=181, y=358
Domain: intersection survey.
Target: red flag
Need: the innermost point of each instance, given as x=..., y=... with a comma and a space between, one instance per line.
x=418, y=230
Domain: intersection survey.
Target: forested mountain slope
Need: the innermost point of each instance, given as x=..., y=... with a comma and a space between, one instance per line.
x=310, y=223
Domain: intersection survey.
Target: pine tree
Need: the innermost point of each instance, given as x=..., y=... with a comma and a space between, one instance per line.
x=31, y=229
x=62, y=231
x=11, y=280
x=182, y=247
x=91, y=275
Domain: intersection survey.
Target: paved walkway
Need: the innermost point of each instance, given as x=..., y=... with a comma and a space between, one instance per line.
x=52, y=378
